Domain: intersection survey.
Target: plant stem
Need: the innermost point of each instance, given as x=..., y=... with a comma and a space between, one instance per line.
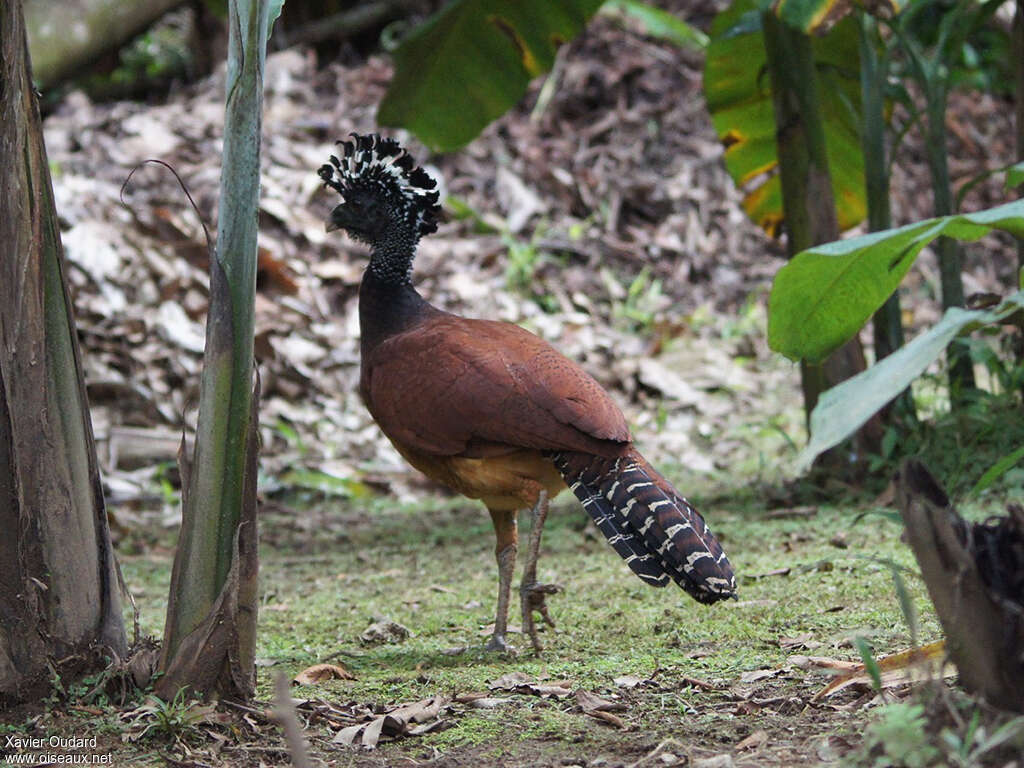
x=961, y=370
x=221, y=483
x=807, y=200
x=888, y=320
x=1018, y=57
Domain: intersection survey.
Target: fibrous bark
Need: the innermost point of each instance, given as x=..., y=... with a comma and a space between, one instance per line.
x=58, y=593
x=975, y=577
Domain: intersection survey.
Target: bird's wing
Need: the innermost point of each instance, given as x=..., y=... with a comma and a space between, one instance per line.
x=455, y=386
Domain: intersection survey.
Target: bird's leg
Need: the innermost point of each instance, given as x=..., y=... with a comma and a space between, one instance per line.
x=532, y=594
x=505, y=529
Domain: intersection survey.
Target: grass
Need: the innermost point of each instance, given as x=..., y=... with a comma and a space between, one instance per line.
x=327, y=573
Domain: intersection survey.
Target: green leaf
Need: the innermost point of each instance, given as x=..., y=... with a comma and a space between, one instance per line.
x=809, y=16
x=870, y=664
x=814, y=16
x=326, y=483
x=822, y=298
x=997, y=470
x=1015, y=176
x=843, y=409
x=469, y=63
x=739, y=97
x=274, y=10
x=657, y=23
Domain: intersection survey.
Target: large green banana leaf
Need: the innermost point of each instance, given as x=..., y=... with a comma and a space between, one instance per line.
x=472, y=61
x=739, y=97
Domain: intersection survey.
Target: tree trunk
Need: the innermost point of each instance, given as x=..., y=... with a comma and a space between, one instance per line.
x=69, y=35
x=975, y=576
x=807, y=201
x=57, y=585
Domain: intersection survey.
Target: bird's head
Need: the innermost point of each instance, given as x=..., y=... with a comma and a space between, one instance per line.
x=384, y=195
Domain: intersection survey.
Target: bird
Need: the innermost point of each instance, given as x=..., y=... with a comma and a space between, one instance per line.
x=493, y=411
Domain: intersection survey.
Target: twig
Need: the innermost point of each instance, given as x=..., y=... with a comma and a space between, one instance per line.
x=284, y=711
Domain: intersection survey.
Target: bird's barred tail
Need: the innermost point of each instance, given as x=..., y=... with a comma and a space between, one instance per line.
x=652, y=527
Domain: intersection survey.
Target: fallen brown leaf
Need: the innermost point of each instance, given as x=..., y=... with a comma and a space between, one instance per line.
x=384, y=631
x=802, y=640
x=523, y=683
x=754, y=675
x=489, y=629
x=696, y=683
x=591, y=702
x=753, y=741
x=608, y=717
x=320, y=673
x=395, y=723
x=897, y=669
x=628, y=681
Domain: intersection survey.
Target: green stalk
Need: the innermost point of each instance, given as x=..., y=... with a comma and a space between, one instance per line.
x=888, y=320
x=221, y=482
x=1018, y=57
x=931, y=73
x=961, y=370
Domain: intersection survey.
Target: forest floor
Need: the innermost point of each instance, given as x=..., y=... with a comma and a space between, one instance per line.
x=604, y=222
x=733, y=679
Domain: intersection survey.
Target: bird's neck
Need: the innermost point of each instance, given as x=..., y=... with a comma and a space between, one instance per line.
x=388, y=303
x=392, y=255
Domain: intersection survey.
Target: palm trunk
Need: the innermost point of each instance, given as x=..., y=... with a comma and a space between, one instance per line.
x=58, y=594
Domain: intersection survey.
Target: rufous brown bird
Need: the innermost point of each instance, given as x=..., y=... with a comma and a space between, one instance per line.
x=493, y=411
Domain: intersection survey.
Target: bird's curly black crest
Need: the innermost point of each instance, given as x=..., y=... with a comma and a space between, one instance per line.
x=384, y=168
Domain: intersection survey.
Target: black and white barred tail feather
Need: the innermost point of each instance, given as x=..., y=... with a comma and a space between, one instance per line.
x=652, y=527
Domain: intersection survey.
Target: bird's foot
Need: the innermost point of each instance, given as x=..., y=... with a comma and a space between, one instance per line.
x=498, y=644
x=533, y=597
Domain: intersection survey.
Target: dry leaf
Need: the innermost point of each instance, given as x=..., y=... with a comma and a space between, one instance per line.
x=608, y=717
x=384, y=631
x=510, y=680
x=395, y=723
x=753, y=741
x=629, y=681
x=758, y=674
x=520, y=682
x=489, y=629
x=320, y=673
x=839, y=540
x=897, y=669
x=601, y=709
x=488, y=702
x=697, y=683
x=591, y=702
x=802, y=640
